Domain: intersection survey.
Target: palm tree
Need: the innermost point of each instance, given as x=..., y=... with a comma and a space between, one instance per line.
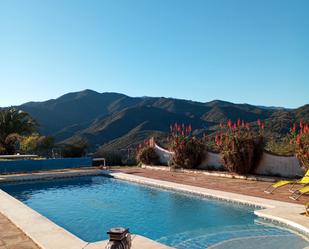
x=13, y=121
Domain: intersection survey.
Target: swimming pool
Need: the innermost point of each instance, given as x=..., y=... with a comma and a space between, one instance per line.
x=89, y=206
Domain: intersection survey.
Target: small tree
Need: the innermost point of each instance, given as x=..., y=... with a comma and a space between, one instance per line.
x=14, y=124
x=2, y=150
x=37, y=144
x=76, y=149
x=240, y=147
x=29, y=144
x=12, y=143
x=189, y=151
x=147, y=154
x=45, y=144
x=300, y=141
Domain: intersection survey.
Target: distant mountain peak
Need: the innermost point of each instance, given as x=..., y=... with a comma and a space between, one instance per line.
x=109, y=116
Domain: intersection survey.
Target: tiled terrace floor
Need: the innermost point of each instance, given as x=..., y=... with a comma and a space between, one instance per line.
x=246, y=187
x=13, y=238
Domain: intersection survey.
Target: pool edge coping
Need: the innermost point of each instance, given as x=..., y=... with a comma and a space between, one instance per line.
x=273, y=210
x=44, y=232
x=282, y=212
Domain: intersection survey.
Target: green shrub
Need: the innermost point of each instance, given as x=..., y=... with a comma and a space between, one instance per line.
x=77, y=149
x=13, y=125
x=189, y=151
x=45, y=143
x=240, y=147
x=29, y=144
x=2, y=150
x=300, y=141
x=12, y=143
x=279, y=147
x=148, y=155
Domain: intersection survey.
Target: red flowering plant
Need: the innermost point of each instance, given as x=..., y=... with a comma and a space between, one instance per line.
x=146, y=154
x=300, y=140
x=188, y=150
x=240, y=146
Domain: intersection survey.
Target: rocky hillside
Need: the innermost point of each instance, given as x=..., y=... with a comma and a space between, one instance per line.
x=114, y=120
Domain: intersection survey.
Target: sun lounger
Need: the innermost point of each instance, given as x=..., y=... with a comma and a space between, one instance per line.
x=298, y=193
x=271, y=188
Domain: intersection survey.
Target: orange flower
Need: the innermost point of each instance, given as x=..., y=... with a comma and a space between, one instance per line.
x=306, y=128
x=217, y=139
x=229, y=123
x=190, y=128
x=298, y=139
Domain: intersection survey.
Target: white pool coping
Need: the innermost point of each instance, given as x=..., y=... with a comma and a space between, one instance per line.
x=45, y=233
x=282, y=212
x=49, y=235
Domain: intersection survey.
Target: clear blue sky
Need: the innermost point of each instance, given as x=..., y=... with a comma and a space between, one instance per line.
x=253, y=51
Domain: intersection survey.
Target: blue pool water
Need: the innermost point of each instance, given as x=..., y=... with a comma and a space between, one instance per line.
x=89, y=206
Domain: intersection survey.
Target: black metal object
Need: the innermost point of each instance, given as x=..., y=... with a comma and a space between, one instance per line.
x=119, y=238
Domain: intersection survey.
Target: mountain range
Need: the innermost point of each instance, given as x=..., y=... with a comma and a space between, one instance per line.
x=116, y=121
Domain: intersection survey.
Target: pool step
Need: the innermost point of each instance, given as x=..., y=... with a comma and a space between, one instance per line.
x=208, y=238
x=262, y=242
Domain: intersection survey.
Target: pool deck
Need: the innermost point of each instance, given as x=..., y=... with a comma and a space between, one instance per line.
x=239, y=186
x=47, y=235
x=13, y=238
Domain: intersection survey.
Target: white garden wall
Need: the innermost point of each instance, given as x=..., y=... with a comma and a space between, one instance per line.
x=269, y=165
x=164, y=155
x=279, y=165
x=212, y=161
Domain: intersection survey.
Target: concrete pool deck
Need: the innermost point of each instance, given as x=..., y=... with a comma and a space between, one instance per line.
x=48, y=235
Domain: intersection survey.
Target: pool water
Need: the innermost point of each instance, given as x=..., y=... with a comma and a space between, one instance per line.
x=89, y=206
